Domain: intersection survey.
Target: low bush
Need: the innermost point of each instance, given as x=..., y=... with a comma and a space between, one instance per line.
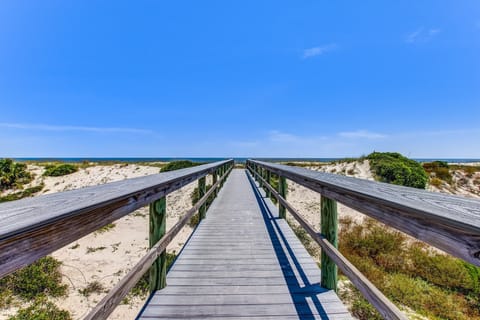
x=392, y=167
x=438, y=170
x=21, y=194
x=180, y=164
x=13, y=174
x=409, y=273
x=57, y=170
x=43, y=277
x=41, y=309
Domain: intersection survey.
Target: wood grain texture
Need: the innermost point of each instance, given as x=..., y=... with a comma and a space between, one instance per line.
x=34, y=227
x=105, y=307
x=450, y=223
x=244, y=262
x=329, y=229
x=386, y=308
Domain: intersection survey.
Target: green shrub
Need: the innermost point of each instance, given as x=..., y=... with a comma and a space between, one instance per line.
x=13, y=174
x=92, y=287
x=180, y=164
x=440, y=269
x=41, y=277
x=392, y=167
x=41, y=309
x=21, y=194
x=433, y=284
x=56, y=170
x=438, y=170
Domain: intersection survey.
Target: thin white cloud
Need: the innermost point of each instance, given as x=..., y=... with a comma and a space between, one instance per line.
x=47, y=127
x=362, y=134
x=421, y=35
x=317, y=51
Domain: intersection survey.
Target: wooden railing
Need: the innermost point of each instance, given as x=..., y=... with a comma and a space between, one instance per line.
x=450, y=223
x=34, y=227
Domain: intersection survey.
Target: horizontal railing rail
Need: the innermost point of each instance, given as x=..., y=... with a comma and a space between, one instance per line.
x=447, y=222
x=34, y=227
x=421, y=214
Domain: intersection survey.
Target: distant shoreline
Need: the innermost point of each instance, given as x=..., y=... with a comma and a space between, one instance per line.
x=238, y=160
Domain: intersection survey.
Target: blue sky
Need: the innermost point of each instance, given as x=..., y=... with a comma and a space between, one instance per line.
x=239, y=78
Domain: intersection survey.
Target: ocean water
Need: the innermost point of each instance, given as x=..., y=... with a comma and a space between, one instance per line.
x=237, y=160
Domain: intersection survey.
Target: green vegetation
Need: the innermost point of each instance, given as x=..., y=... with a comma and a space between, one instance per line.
x=13, y=174
x=41, y=309
x=392, y=167
x=92, y=249
x=40, y=278
x=62, y=169
x=21, y=194
x=439, y=171
x=106, y=228
x=430, y=283
x=93, y=287
x=180, y=164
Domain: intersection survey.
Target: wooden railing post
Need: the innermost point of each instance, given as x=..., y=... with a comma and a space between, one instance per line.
x=282, y=190
x=158, y=224
x=268, y=176
x=329, y=229
x=214, y=180
x=201, y=192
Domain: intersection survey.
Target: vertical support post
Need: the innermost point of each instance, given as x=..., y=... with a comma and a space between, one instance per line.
x=201, y=192
x=260, y=183
x=282, y=189
x=329, y=229
x=158, y=226
x=214, y=180
x=268, y=178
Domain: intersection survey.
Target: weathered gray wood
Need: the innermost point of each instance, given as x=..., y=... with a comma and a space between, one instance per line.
x=329, y=229
x=386, y=308
x=34, y=227
x=105, y=307
x=244, y=262
x=157, y=226
x=450, y=223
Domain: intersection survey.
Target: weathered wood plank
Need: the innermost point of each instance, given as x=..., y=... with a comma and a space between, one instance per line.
x=450, y=223
x=34, y=227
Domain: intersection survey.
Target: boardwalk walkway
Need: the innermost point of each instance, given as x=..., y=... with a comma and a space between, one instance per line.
x=242, y=262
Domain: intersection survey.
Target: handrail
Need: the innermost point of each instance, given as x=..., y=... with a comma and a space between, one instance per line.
x=34, y=227
x=105, y=307
x=450, y=223
x=385, y=307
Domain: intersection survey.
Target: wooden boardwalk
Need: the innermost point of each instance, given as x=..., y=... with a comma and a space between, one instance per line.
x=242, y=262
